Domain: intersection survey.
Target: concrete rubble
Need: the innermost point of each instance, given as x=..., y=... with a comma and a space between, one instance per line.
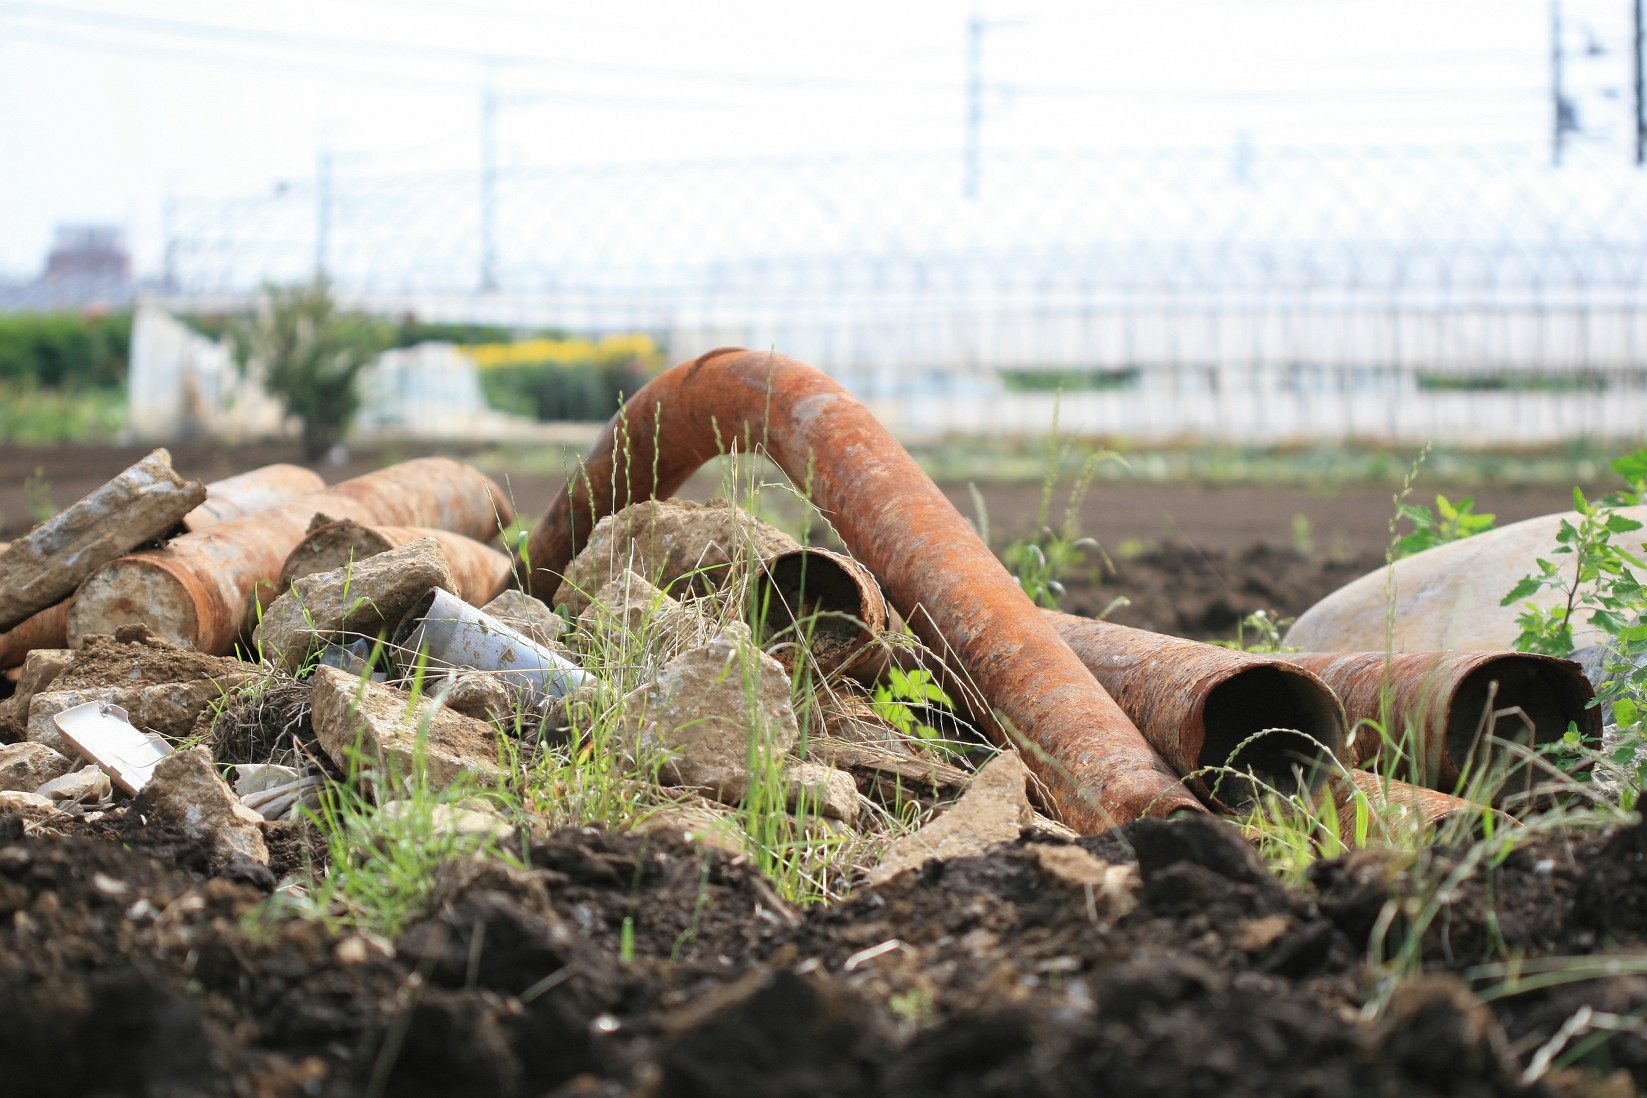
x=710, y=712
x=994, y=809
x=187, y=792
x=376, y=726
x=686, y=548
x=361, y=598
x=27, y=766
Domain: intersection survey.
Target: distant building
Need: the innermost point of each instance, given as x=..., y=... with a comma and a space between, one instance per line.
x=88, y=267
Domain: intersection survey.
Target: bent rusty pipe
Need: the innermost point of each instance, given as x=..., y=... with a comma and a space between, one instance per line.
x=249, y=492
x=947, y=584
x=205, y=589
x=1203, y=706
x=481, y=572
x=1450, y=703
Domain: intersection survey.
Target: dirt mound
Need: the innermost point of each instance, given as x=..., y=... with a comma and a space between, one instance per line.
x=1202, y=593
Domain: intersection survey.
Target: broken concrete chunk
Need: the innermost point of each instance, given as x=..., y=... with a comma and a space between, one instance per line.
x=377, y=722
x=994, y=809
x=88, y=785
x=187, y=792
x=451, y=819
x=41, y=668
x=684, y=547
x=483, y=697
x=41, y=568
x=27, y=766
x=481, y=571
x=634, y=612
x=822, y=790
x=525, y=614
x=711, y=710
x=360, y=598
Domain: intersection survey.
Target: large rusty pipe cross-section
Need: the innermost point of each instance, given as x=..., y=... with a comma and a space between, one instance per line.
x=947, y=584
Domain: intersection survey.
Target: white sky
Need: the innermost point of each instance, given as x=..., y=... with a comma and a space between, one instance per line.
x=106, y=107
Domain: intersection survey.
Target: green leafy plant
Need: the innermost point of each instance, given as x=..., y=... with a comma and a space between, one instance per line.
x=900, y=688
x=1266, y=633
x=1602, y=581
x=311, y=352
x=1448, y=522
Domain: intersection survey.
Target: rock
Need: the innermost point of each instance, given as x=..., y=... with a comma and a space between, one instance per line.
x=451, y=818
x=483, y=697
x=822, y=790
x=41, y=668
x=361, y=598
x=170, y=708
x=698, y=821
x=15, y=800
x=525, y=614
x=27, y=766
x=686, y=548
x=187, y=792
x=632, y=614
x=385, y=732
x=994, y=809
x=88, y=785
x=252, y=778
x=1113, y=888
x=698, y=719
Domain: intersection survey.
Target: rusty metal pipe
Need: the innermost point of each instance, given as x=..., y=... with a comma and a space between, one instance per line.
x=1201, y=706
x=851, y=613
x=1445, y=702
x=957, y=597
x=256, y=490
x=47, y=629
x=482, y=572
x=1389, y=796
x=205, y=589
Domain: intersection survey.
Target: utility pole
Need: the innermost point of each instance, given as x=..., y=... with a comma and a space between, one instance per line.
x=488, y=183
x=323, y=206
x=1640, y=101
x=974, y=102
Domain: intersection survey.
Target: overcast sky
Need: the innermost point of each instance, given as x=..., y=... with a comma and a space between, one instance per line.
x=106, y=108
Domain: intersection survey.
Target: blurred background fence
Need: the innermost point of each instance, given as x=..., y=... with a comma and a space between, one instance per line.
x=1473, y=294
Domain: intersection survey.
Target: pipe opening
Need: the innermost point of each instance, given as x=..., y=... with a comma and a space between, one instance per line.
x=1261, y=697
x=410, y=621
x=796, y=585
x=1548, y=694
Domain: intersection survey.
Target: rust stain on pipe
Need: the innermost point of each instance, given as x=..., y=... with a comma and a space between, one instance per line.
x=947, y=584
x=1444, y=697
x=205, y=588
x=851, y=611
x=1405, y=801
x=257, y=490
x=47, y=629
x=482, y=572
x=1198, y=704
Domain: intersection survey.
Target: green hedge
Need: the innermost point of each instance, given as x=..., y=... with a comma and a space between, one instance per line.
x=65, y=350
x=551, y=390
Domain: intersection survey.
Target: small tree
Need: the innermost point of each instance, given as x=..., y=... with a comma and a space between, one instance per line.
x=311, y=353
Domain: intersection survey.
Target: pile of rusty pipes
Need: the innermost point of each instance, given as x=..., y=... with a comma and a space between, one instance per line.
x=1116, y=723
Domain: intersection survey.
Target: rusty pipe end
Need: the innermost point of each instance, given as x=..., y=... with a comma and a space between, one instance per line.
x=830, y=603
x=1521, y=699
x=1399, y=808
x=154, y=590
x=1277, y=722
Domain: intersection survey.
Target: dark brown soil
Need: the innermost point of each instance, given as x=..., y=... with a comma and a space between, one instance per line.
x=629, y=965
x=1204, y=593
